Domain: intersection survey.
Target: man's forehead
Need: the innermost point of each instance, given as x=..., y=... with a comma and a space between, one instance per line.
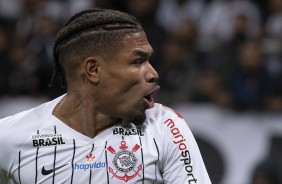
x=138, y=43
x=135, y=38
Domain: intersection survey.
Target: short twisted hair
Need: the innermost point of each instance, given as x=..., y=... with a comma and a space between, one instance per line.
x=90, y=32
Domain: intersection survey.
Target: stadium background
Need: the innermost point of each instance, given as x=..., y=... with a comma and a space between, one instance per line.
x=220, y=66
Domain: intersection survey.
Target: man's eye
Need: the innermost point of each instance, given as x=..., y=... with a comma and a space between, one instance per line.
x=138, y=62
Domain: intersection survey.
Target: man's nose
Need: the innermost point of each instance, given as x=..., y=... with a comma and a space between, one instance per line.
x=151, y=74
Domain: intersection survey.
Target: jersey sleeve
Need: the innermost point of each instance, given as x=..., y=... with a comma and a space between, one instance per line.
x=183, y=161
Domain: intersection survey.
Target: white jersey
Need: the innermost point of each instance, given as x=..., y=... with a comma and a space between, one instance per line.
x=36, y=147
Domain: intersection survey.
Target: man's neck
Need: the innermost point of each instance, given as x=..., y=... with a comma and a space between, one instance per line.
x=81, y=115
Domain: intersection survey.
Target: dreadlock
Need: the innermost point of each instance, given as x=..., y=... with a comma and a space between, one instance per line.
x=93, y=31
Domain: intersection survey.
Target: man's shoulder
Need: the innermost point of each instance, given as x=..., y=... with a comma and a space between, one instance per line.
x=28, y=117
x=163, y=111
x=15, y=129
x=159, y=114
x=19, y=117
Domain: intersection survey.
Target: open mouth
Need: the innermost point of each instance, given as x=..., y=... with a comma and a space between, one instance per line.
x=148, y=99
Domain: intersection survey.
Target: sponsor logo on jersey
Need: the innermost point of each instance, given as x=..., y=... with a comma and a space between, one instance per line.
x=128, y=131
x=124, y=162
x=90, y=157
x=180, y=141
x=47, y=140
x=90, y=165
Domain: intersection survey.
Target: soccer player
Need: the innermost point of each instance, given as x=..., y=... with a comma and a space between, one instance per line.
x=107, y=127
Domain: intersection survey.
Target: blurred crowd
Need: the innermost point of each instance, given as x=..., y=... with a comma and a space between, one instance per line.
x=227, y=53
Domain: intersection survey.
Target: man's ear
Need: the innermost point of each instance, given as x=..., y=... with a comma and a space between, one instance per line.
x=91, y=69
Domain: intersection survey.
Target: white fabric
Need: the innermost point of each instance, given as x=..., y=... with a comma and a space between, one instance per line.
x=36, y=147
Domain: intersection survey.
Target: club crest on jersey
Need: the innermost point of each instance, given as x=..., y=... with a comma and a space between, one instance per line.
x=124, y=162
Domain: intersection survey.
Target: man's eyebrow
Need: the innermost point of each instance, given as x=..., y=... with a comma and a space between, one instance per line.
x=142, y=53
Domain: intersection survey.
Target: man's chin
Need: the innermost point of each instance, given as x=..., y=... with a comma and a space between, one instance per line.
x=139, y=120
x=136, y=120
